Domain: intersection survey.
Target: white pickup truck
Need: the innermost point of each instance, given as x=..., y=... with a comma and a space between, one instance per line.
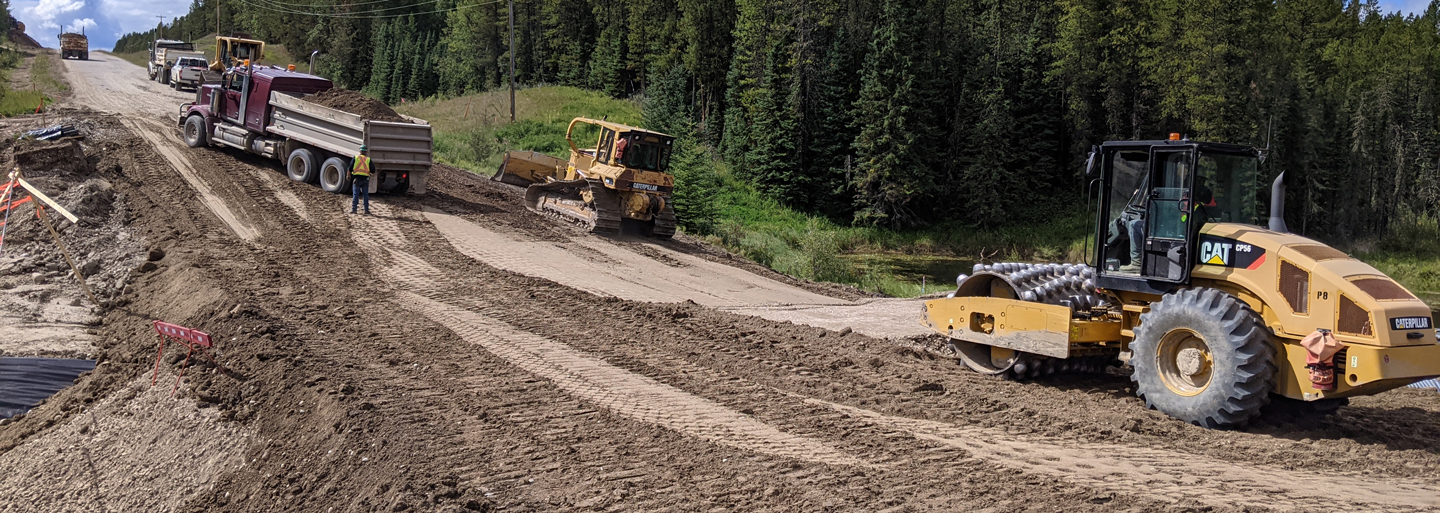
x=188, y=71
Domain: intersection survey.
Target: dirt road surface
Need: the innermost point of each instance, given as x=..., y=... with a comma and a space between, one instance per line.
x=454, y=352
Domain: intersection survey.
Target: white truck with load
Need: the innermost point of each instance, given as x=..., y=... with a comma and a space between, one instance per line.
x=263, y=110
x=188, y=71
x=163, y=53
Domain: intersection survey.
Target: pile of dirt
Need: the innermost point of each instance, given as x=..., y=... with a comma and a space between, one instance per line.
x=99, y=242
x=19, y=37
x=42, y=307
x=357, y=104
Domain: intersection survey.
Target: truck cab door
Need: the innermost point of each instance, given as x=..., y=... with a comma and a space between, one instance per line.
x=234, y=87
x=1166, y=250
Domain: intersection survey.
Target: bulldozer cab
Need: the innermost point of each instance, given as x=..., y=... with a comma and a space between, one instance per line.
x=231, y=51
x=1157, y=195
x=622, y=146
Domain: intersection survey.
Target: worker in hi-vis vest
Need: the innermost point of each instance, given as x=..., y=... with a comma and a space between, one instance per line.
x=360, y=181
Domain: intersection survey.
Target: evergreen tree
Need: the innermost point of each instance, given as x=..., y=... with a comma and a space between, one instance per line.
x=607, y=65
x=895, y=146
x=381, y=74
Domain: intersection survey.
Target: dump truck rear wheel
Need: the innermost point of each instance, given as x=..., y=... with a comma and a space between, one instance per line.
x=301, y=166
x=195, y=136
x=335, y=176
x=1202, y=356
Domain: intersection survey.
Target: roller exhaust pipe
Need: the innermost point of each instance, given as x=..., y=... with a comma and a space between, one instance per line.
x=1277, y=205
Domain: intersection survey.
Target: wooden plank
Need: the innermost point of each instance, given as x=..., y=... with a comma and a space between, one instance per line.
x=48, y=201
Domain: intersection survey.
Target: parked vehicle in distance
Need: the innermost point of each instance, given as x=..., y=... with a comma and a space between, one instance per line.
x=163, y=53
x=188, y=72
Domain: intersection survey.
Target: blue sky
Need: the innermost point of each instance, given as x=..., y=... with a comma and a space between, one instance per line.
x=106, y=20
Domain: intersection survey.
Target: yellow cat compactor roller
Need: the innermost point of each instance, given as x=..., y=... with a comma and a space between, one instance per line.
x=1216, y=312
x=623, y=177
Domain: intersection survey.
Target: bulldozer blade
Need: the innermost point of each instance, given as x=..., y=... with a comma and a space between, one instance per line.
x=504, y=177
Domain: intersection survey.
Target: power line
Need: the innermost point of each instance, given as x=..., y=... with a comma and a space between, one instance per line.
x=280, y=5
x=313, y=5
x=355, y=16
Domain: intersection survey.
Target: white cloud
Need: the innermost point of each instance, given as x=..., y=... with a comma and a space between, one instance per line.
x=1415, y=7
x=49, y=25
x=80, y=25
x=48, y=10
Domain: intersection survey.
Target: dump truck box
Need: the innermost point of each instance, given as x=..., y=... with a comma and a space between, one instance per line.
x=403, y=148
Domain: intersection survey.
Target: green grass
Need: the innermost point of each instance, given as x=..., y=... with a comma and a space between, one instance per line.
x=136, y=58
x=17, y=103
x=881, y=260
x=45, y=74
x=474, y=131
x=1409, y=254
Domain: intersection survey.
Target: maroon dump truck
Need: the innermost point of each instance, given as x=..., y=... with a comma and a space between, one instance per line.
x=261, y=110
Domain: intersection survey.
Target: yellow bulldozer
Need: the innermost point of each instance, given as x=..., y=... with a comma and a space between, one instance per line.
x=234, y=51
x=622, y=178
x=1215, y=312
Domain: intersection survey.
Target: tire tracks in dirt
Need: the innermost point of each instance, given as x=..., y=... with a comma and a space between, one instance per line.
x=207, y=196
x=1161, y=474
x=618, y=271
x=1156, y=474
x=580, y=375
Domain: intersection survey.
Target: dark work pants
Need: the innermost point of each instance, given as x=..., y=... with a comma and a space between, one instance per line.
x=360, y=187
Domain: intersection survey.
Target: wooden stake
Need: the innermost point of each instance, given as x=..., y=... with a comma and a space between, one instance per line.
x=40, y=211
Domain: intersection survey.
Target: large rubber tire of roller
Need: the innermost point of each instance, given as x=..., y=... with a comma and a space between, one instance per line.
x=301, y=166
x=195, y=135
x=335, y=175
x=1202, y=356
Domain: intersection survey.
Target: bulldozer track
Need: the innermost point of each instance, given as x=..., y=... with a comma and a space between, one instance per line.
x=604, y=212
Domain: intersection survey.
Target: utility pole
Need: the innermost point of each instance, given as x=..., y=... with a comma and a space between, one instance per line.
x=160, y=31
x=512, y=61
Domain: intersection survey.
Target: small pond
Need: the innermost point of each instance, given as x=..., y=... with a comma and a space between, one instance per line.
x=938, y=272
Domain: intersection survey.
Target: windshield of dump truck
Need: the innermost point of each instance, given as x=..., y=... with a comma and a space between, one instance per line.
x=1232, y=183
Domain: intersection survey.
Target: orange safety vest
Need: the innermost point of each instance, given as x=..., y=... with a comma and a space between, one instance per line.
x=361, y=167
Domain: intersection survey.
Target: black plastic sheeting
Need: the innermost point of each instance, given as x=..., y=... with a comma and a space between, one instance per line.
x=24, y=382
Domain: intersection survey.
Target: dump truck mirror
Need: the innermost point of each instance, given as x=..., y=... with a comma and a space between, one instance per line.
x=1090, y=161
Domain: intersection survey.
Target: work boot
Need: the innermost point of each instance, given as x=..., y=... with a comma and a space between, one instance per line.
x=1130, y=269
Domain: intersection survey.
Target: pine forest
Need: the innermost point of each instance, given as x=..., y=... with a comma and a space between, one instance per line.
x=908, y=113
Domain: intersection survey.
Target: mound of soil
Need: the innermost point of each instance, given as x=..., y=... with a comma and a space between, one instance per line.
x=356, y=103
